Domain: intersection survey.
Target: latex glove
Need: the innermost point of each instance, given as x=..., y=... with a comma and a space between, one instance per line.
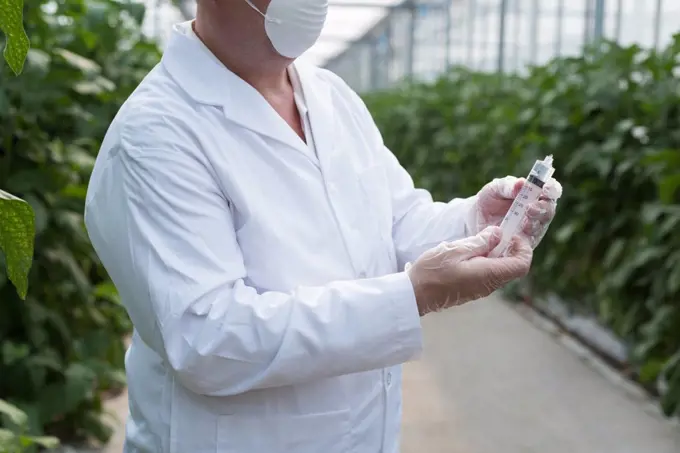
x=457, y=272
x=494, y=200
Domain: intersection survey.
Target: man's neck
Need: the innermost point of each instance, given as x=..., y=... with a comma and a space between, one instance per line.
x=267, y=78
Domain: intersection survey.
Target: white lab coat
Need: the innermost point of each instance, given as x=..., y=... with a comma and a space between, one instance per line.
x=266, y=285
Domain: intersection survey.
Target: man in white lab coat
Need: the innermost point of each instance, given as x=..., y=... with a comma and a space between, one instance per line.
x=260, y=236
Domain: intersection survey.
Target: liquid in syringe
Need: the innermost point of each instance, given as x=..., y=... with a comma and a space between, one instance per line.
x=531, y=191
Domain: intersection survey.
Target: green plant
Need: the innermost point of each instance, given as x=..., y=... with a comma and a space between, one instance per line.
x=16, y=440
x=16, y=218
x=611, y=118
x=63, y=346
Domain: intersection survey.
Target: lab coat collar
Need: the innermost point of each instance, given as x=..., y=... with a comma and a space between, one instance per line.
x=207, y=81
x=319, y=102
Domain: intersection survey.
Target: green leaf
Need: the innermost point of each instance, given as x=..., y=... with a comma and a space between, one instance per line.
x=107, y=291
x=11, y=24
x=92, y=87
x=16, y=415
x=650, y=371
x=8, y=440
x=62, y=398
x=12, y=352
x=85, y=65
x=48, y=442
x=17, y=232
x=668, y=188
x=136, y=11
x=98, y=427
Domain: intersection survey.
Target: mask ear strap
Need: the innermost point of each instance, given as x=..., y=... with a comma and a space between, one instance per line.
x=266, y=18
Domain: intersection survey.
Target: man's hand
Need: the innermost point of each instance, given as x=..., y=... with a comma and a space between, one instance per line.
x=454, y=273
x=495, y=199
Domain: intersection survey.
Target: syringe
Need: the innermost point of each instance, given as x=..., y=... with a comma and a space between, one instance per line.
x=531, y=191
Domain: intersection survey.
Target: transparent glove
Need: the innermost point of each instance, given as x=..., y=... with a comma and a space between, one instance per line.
x=495, y=199
x=454, y=273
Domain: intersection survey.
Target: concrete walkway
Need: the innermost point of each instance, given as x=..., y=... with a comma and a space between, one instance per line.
x=490, y=381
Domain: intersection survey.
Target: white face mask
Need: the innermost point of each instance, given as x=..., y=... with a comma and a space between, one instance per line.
x=293, y=26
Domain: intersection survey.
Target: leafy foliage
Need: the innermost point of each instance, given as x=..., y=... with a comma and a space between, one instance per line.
x=611, y=118
x=16, y=217
x=15, y=440
x=16, y=47
x=63, y=346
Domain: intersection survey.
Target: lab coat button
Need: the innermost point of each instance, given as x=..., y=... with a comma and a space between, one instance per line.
x=389, y=379
x=362, y=274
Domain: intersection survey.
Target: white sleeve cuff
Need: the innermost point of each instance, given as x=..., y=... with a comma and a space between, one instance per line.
x=404, y=312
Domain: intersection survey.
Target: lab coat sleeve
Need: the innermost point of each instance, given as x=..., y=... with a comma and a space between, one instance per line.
x=164, y=231
x=419, y=223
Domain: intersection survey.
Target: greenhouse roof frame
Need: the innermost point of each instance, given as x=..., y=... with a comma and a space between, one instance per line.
x=348, y=21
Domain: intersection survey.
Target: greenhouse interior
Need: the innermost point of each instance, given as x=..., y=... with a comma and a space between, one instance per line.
x=579, y=354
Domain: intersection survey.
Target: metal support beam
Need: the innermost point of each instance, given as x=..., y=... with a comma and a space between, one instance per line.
x=587, y=22
x=384, y=22
x=619, y=18
x=411, y=49
x=598, y=19
x=503, y=12
x=447, y=42
x=533, y=31
x=559, y=27
x=471, y=20
x=485, y=27
x=410, y=6
x=657, y=23
x=517, y=38
x=389, y=33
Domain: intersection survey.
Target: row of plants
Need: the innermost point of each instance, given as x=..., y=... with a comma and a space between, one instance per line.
x=61, y=343
x=611, y=119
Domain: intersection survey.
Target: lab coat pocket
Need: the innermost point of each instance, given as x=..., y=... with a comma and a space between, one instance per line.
x=326, y=432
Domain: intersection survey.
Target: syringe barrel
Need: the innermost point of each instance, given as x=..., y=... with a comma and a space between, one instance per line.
x=538, y=176
x=540, y=173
